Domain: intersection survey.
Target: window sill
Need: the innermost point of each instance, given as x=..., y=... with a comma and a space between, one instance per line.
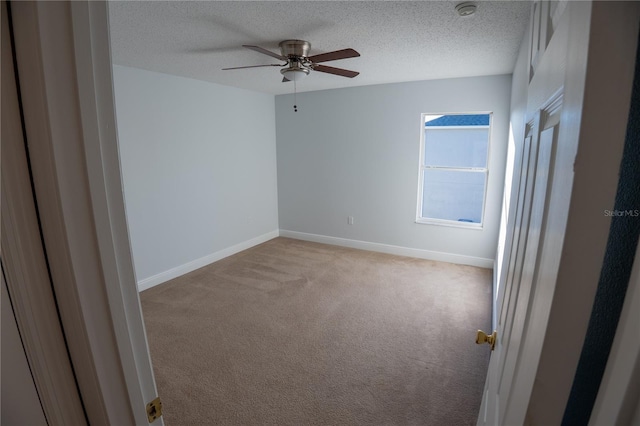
x=450, y=223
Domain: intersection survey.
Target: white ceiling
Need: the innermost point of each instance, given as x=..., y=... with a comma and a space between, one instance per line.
x=398, y=41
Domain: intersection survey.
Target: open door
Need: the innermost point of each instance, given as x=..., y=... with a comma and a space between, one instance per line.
x=503, y=401
x=533, y=175
x=538, y=151
x=545, y=184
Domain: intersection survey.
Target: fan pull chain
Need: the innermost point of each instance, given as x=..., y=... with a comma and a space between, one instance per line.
x=295, y=101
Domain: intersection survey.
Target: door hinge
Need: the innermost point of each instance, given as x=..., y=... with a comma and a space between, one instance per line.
x=154, y=409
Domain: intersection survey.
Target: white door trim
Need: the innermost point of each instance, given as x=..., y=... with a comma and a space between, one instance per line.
x=97, y=107
x=65, y=70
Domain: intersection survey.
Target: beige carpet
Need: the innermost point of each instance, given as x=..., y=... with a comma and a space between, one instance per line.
x=298, y=333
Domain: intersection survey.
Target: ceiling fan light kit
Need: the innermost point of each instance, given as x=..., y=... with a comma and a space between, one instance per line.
x=298, y=62
x=295, y=73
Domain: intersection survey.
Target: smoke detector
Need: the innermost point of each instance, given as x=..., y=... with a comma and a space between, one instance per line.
x=466, y=8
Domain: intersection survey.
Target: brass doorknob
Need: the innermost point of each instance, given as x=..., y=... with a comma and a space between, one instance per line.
x=483, y=337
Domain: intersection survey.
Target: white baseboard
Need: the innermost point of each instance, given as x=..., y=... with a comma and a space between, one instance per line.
x=344, y=242
x=204, y=261
x=390, y=249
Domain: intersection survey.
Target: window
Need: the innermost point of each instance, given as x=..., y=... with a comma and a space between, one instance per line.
x=454, y=153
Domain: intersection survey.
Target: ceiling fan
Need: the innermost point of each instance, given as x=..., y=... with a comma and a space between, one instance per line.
x=298, y=64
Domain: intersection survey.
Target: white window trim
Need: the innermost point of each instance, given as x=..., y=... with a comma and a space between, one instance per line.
x=421, y=168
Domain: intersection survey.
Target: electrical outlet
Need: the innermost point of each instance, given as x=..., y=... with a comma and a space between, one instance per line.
x=350, y=220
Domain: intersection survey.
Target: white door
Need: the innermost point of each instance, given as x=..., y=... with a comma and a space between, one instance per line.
x=532, y=187
x=533, y=177
x=579, y=69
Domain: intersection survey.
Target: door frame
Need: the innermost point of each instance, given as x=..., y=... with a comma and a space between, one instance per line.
x=64, y=66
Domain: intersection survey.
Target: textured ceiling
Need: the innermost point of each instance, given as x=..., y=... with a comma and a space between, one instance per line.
x=398, y=41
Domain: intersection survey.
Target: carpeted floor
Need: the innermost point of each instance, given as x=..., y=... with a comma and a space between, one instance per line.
x=297, y=333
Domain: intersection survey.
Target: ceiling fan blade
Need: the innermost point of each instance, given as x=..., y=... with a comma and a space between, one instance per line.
x=253, y=66
x=336, y=71
x=265, y=51
x=334, y=56
x=285, y=79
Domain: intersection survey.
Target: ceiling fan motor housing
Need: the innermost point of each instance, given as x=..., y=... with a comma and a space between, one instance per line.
x=295, y=48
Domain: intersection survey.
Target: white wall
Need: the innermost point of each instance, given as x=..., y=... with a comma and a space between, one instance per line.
x=199, y=169
x=354, y=152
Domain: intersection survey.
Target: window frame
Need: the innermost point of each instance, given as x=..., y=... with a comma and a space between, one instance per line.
x=422, y=167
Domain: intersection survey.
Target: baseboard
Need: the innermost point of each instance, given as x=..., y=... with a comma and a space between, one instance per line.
x=203, y=261
x=344, y=242
x=391, y=249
